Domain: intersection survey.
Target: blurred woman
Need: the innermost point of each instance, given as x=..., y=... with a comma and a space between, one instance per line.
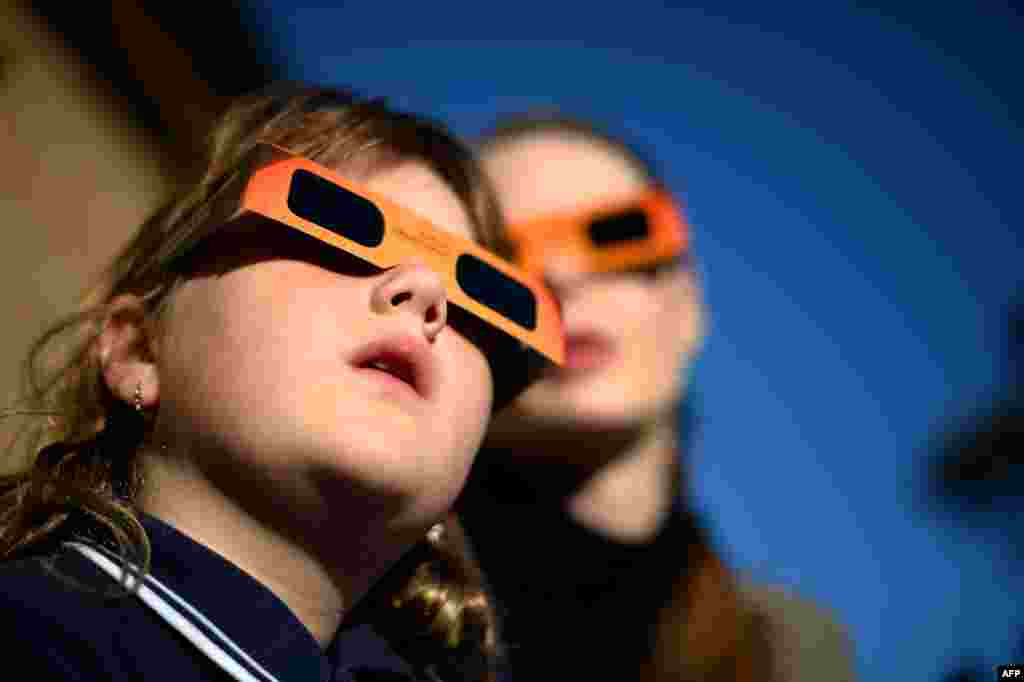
x=577, y=506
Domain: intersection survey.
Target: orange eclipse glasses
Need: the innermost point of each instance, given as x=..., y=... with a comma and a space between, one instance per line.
x=642, y=231
x=301, y=194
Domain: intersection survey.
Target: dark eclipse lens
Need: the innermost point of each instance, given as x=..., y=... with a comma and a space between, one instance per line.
x=497, y=291
x=620, y=227
x=349, y=215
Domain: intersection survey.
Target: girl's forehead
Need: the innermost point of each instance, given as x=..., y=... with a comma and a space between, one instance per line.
x=416, y=187
x=554, y=173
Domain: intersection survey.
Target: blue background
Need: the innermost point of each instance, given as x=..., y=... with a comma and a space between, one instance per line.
x=852, y=178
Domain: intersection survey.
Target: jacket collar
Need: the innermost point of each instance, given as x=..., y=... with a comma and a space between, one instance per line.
x=235, y=620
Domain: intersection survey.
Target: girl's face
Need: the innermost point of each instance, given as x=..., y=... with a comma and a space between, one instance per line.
x=629, y=336
x=264, y=372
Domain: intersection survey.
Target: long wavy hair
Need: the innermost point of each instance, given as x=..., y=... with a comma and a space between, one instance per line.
x=80, y=465
x=706, y=631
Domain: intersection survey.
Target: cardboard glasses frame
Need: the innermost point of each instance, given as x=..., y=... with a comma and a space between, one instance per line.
x=291, y=190
x=642, y=231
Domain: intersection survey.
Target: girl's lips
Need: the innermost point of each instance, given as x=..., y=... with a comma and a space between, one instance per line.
x=390, y=382
x=399, y=359
x=588, y=351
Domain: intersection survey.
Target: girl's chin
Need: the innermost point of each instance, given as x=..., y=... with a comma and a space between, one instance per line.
x=600, y=406
x=603, y=420
x=591, y=414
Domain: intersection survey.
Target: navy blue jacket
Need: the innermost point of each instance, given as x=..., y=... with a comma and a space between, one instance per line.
x=197, y=617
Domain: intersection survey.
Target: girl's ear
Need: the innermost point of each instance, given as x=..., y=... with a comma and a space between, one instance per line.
x=127, y=353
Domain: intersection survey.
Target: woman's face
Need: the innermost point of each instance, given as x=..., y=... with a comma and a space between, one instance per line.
x=629, y=336
x=265, y=376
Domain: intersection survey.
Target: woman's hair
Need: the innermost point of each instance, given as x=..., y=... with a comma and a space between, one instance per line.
x=519, y=127
x=89, y=472
x=706, y=631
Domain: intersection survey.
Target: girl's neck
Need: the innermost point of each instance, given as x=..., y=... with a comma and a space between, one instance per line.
x=629, y=498
x=319, y=592
x=620, y=483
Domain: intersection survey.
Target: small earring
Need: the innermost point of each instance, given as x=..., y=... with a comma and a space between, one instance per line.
x=138, y=398
x=436, y=532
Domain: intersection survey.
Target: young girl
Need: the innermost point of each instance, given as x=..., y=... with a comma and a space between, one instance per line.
x=589, y=542
x=263, y=405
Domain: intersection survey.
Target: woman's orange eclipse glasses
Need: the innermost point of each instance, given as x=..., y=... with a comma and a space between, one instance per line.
x=635, y=233
x=303, y=195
